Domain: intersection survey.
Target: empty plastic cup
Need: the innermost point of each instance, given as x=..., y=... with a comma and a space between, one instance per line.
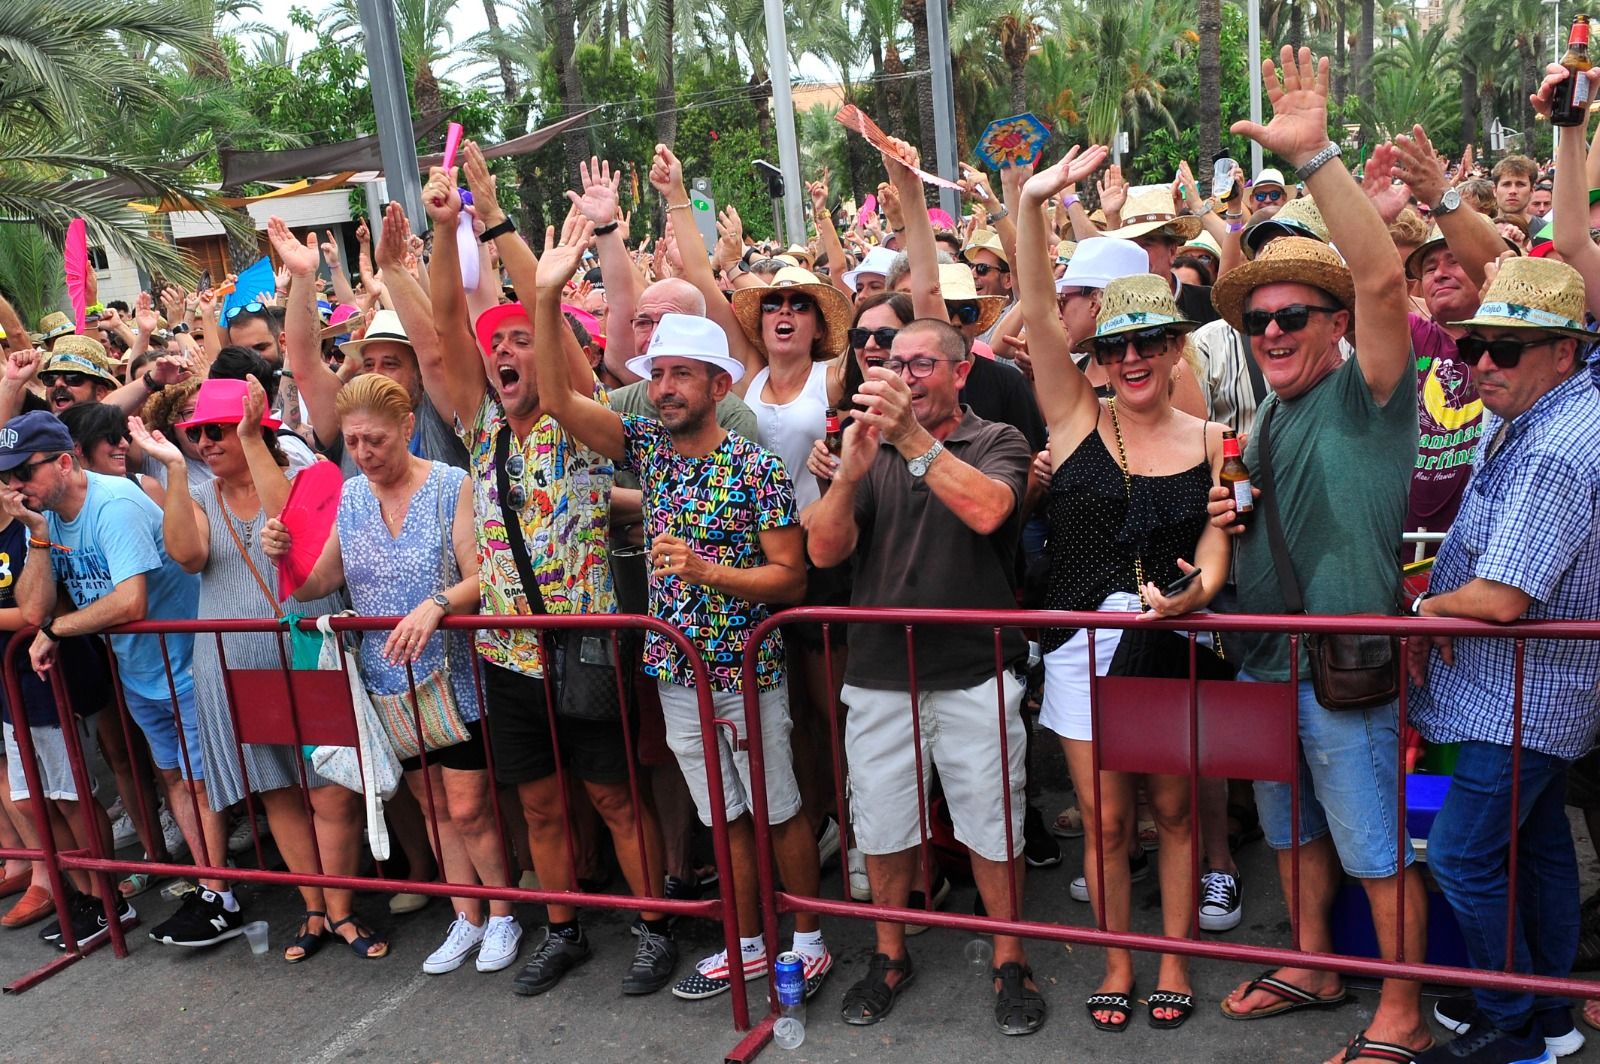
x=255, y=933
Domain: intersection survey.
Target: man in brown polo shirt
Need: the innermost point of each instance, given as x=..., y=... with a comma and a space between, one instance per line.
x=927, y=498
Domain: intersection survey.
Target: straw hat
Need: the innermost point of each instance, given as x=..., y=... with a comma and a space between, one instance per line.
x=1295, y=259
x=1149, y=209
x=80, y=354
x=801, y=254
x=1299, y=217
x=956, y=286
x=1065, y=250
x=1130, y=304
x=985, y=240
x=831, y=303
x=55, y=324
x=1203, y=243
x=385, y=328
x=1436, y=239
x=1535, y=294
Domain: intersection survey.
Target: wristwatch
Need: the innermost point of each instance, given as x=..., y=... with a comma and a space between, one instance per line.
x=49, y=629
x=1447, y=202
x=151, y=383
x=918, y=466
x=1416, y=603
x=440, y=601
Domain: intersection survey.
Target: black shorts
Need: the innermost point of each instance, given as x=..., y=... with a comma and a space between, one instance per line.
x=467, y=756
x=519, y=728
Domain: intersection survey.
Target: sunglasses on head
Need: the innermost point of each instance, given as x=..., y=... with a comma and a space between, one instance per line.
x=1149, y=343
x=1290, y=319
x=72, y=379
x=24, y=473
x=211, y=432
x=1268, y=195
x=884, y=337
x=797, y=304
x=983, y=269
x=1505, y=354
x=967, y=312
x=255, y=306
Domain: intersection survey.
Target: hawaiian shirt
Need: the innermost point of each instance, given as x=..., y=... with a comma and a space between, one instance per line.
x=720, y=504
x=565, y=522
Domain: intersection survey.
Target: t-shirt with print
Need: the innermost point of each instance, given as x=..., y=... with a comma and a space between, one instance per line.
x=720, y=504
x=1449, y=422
x=117, y=536
x=564, y=524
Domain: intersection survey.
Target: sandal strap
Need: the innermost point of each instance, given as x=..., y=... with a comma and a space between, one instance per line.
x=873, y=991
x=1170, y=997
x=1115, y=1001
x=1361, y=1046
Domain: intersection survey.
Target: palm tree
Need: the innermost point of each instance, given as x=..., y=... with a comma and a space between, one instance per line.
x=1015, y=26
x=1208, y=25
x=31, y=271
x=426, y=35
x=881, y=24
x=916, y=13
x=1405, y=84
x=1137, y=45
x=660, y=28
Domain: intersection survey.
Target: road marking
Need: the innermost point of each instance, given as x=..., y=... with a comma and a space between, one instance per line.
x=335, y=1049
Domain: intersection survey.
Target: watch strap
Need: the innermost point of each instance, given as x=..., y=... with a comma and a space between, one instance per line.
x=1319, y=160
x=608, y=228
x=504, y=226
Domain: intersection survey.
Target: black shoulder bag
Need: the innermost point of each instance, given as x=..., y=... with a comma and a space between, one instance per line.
x=1348, y=670
x=585, y=678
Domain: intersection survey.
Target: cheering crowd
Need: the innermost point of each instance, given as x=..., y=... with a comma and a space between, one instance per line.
x=1035, y=407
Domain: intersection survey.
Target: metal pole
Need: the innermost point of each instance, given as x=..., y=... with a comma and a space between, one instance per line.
x=1255, y=82
x=392, y=106
x=944, y=103
x=375, y=198
x=783, y=118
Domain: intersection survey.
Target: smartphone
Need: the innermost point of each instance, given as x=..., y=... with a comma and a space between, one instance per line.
x=1180, y=585
x=1222, y=178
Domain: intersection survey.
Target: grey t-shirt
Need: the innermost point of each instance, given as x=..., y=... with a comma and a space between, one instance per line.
x=733, y=414
x=913, y=551
x=1342, y=465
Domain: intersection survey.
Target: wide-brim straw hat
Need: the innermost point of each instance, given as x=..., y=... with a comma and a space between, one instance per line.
x=80, y=354
x=1065, y=249
x=1290, y=259
x=55, y=324
x=1436, y=239
x=385, y=327
x=1131, y=304
x=1204, y=243
x=1149, y=208
x=986, y=240
x=831, y=302
x=956, y=286
x=1298, y=217
x=1535, y=294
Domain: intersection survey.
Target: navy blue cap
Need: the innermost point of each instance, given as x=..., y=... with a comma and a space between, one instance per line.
x=36, y=432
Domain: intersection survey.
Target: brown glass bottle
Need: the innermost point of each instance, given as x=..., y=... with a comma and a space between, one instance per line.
x=1569, y=103
x=833, y=435
x=1236, y=478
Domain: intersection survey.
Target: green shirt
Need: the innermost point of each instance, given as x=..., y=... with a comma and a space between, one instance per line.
x=733, y=414
x=1343, y=466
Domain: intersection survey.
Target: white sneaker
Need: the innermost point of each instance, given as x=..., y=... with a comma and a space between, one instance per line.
x=860, y=886
x=502, y=937
x=172, y=833
x=123, y=833
x=464, y=937
x=1221, y=908
x=241, y=838
x=828, y=843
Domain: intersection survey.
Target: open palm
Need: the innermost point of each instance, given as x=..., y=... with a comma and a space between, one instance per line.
x=1299, y=126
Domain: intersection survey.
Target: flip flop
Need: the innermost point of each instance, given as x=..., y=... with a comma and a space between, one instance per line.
x=1361, y=1047
x=1293, y=997
x=135, y=884
x=1591, y=1014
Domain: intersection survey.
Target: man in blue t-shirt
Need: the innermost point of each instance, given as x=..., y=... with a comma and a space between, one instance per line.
x=102, y=538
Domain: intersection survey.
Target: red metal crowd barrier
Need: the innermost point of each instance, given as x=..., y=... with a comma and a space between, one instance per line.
x=1196, y=728
x=314, y=707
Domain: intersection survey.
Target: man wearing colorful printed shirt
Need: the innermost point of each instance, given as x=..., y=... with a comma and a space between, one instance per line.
x=1525, y=546
x=523, y=463
x=724, y=541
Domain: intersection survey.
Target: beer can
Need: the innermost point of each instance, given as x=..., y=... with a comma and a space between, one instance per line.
x=791, y=976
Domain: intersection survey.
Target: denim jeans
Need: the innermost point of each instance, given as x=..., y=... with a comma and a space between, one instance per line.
x=1469, y=852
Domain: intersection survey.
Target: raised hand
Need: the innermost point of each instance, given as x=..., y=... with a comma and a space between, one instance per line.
x=485, y=192
x=394, y=242
x=975, y=183
x=154, y=444
x=818, y=191
x=889, y=200
x=1012, y=178
x=330, y=251
x=666, y=172
x=1113, y=191
x=300, y=259
x=1412, y=160
x=170, y=369
x=145, y=318
x=1078, y=163
x=599, y=200
x=254, y=408
x=561, y=257
x=1188, y=191
x=1299, y=126
x=730, y=236
x=21, y=366
x=441, y=199
x=276, y=540
x=172, y=301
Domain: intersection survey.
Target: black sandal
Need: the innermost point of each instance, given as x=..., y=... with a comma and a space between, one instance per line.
x=366, y=940
x=1182, y=1004
x=872, y=998
x=1122, y=1003
x=307, y=943
x=1017, y=1010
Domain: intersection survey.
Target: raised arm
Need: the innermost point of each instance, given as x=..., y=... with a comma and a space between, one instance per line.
x=21, y=368
x=319, y=385
x=1066, y=398
x=916, y=238
x=1473, y=243
x=411, y=302
x=1570, y=199
x=17, y=338
x=566, y=392
x=455, y=383
x=827, y=235
x=271, y=484
x=1297, y=132
x=599, y=205
x=183, y=526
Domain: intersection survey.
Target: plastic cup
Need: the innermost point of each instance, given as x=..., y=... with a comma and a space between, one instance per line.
x=979, y=953
x=255, y=933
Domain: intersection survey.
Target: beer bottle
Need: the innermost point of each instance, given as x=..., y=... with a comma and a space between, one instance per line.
x=1236, y=478
x=1569, y=103
x=833, y=438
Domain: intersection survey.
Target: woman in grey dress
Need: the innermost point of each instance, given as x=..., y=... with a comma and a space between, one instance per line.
x=214, y=528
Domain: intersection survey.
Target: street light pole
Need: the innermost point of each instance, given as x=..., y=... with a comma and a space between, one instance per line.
x=944, y=103
x=397, y=142
x=783, y=118
x=1254, y=14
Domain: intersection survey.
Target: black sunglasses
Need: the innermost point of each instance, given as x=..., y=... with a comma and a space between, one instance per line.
x=1505, y=354
x=24, y=473
x=884, y=336
x=983, y=269
x=72, y=379
x=1149, y=343
x=212, y=433
x=967, y=312
x=1290, y=319
x=797, y=304
x=255, y=306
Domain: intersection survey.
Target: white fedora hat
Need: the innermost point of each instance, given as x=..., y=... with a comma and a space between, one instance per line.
x=1101, y=260
x=687, y=336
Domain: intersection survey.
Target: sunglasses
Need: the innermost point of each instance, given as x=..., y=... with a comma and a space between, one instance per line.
x=1149, y=343
x=211, y=432
x=255, y=306
x=1505, y=354
x=1290, y=319
x=1268, y=195
x=983, y=269
x=884, y=337
x=921, y=366
x=24, y=473
x=644, y=321
x=70, y=379
x=967, y=312
x=517, y=497
x=797, y=304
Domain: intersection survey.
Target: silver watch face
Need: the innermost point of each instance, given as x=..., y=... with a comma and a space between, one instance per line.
x=1450, y=200
x=918, y=467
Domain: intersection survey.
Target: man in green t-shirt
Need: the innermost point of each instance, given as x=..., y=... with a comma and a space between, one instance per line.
x=1343, y=442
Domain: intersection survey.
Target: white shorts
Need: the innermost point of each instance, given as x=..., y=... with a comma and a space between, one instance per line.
x=1065, y=709
x=55, y=768
x=680, y=707
x=960, y=733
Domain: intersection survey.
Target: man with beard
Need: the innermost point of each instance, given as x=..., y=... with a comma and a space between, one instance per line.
x=76, y=371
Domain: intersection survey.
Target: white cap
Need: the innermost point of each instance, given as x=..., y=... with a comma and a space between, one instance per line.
x=687, y=336
x=1101, y=260
x=1270, y=176
x=878, y=261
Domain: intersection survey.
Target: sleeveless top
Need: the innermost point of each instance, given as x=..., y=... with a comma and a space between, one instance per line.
x=1095, y=534
x=790, y=429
